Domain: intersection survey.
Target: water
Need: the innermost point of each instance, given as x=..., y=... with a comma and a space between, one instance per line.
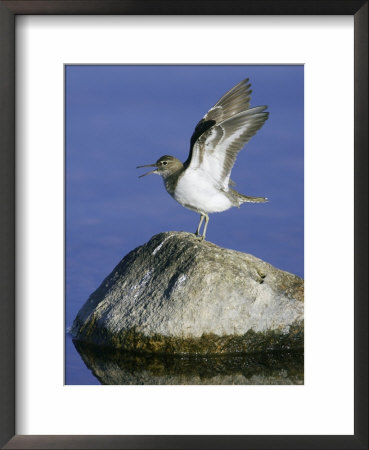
x=76, y=371
x=91, y=365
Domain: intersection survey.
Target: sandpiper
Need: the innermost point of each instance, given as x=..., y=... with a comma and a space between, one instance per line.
x=202, y=183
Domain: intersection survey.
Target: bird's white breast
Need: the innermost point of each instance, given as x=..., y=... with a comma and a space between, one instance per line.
x=197, y=191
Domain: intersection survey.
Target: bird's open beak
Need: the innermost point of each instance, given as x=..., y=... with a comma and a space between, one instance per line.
x=147, y=173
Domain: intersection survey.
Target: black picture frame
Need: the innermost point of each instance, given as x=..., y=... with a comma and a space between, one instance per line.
x=8, y=12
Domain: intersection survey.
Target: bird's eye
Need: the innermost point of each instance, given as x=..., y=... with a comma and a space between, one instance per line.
x=164, y=163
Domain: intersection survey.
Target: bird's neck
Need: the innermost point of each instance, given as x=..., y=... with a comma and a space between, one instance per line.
x=171, y=180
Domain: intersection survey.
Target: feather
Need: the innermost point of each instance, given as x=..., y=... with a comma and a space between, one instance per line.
x=215, y=151
x=233, y=102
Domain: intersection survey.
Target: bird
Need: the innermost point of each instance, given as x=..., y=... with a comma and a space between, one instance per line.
x=202, y=183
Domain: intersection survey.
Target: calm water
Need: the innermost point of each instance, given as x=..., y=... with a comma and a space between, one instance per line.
x=76, y=371
x=87, y=364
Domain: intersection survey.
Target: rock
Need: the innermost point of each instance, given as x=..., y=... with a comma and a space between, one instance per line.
x=177, y=294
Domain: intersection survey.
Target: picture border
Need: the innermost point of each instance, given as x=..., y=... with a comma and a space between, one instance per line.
x=8, y=11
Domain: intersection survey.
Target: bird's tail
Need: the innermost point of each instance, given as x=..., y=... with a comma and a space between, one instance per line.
x=246, y=198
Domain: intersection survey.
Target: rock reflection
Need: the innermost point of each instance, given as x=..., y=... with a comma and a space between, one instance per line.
x=117, y=367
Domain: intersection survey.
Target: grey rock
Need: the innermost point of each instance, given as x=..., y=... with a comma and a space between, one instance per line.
x=177, y=294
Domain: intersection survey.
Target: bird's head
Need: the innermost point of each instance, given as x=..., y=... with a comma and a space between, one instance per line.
x=165, y=166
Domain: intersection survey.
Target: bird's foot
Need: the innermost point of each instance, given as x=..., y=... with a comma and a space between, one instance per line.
x=198, y=236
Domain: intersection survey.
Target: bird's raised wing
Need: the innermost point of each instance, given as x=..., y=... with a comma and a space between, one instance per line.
x=233, y=102
x=222, y=133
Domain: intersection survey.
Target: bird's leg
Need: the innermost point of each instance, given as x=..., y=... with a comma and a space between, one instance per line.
x=198, y=228
x=205, y=226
